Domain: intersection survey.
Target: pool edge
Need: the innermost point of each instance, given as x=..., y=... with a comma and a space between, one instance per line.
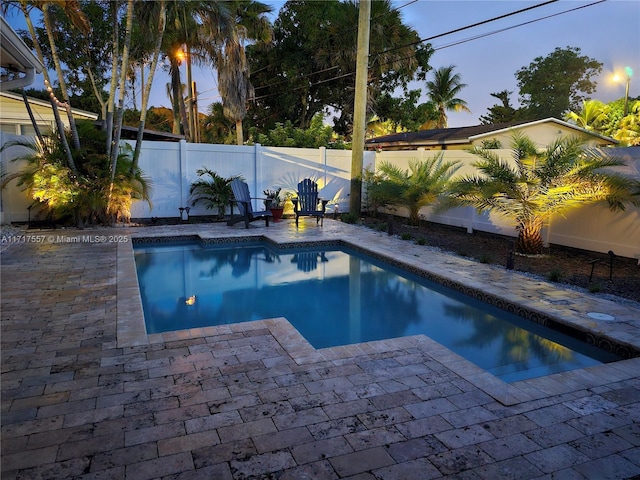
x=131, y=332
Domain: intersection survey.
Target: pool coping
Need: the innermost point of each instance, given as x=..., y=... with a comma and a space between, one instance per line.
x=131, y=330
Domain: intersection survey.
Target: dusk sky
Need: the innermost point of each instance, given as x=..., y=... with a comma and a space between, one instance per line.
x=607, y=31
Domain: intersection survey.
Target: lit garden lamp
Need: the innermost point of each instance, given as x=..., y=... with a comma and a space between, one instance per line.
x=628, y=71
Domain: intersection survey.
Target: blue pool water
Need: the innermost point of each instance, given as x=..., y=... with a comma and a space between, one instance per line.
x=336, y=296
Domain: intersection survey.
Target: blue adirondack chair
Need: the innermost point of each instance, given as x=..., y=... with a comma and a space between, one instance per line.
x=308, y=203
x=242, y=198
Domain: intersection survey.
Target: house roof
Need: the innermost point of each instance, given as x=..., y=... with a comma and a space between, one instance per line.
x=463, y=135
x=44, y=103
x=16, y=57
x=131, y=133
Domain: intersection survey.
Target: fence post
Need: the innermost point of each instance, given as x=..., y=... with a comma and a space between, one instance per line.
x=182, y=171
x=323, y=162
x=257, y=158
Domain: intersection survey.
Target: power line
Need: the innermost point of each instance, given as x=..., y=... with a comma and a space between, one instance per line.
x=389, y=50
x=517, y=25
x=438, y=36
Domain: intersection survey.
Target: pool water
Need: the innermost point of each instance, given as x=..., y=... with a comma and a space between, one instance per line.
x=337, y=296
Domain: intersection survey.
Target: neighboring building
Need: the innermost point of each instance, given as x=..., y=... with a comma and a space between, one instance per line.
x=541, y=132
x=20, y=67
x=19, y=63
x=15, y=120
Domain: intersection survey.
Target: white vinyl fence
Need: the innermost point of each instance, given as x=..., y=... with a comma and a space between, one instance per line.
x=172, y=167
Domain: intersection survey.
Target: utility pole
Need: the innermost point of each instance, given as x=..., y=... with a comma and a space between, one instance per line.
x=360, y=107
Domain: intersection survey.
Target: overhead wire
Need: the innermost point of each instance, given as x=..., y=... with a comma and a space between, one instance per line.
x=441, y=47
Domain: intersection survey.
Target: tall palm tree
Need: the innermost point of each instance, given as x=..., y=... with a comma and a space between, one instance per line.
x=198, y=28
x=537, y=185
x=234, y=85
x=231, y=62
x=443, y=91
x=73, y=11
x=156, y=15
x=592, y=116
x=417, y=187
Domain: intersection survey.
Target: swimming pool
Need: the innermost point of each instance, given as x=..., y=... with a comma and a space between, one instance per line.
x=335, y=296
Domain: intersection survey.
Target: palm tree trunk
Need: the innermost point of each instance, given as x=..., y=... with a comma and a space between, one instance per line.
x=54, y=105
x=147, y=87
x=111, y=102
x=63, y=86
x=530, y=238
x=124, y=67
x=176, y=94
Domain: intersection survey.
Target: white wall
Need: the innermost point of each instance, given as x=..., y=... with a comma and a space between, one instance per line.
x=172, y=167
x=14, y=202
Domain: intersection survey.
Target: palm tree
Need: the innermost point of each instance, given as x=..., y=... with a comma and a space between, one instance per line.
x=88, y=195
x=592, y=116
x=443, y=92
x=231, y=62
x=562, y=177
x=234, y=85
x=214, y=193
x=628, y=132
x=73, y=11
x=419, y=186
x=156, y=15
x=197, y=29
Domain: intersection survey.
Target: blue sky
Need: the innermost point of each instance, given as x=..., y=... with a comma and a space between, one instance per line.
x=608, y=32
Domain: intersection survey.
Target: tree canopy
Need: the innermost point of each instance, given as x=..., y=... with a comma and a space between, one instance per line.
x=552, y=85
x=310, y=66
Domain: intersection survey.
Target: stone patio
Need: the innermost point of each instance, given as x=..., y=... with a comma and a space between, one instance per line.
x=87, y=394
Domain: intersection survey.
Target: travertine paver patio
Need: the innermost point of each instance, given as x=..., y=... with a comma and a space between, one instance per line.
x=86, y=394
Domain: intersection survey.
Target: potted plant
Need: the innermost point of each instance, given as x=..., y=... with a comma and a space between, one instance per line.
x=274, y=202
x=214, y=193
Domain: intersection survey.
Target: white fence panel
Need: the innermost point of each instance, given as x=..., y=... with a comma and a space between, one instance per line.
x=160, y=162
x=172, y=167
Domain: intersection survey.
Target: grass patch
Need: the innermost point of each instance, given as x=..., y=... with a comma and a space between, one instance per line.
x=405, y=236
x=555, y=275
x=595, y=287
x=485, y=258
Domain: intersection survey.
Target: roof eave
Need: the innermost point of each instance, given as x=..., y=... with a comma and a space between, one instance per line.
x=541, y=121
x=16, y=55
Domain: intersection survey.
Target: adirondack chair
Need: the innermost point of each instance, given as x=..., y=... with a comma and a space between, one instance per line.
x=308, y=203
x=308, y=261
x=243, y=199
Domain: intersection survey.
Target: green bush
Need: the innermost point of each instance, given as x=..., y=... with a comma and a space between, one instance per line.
x=555, y=275
x=86, y=196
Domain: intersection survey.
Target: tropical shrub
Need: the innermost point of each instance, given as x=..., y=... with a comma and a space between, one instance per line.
x=86, y=196
x=214, y=192
x=414, y=188
x=539, y=184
